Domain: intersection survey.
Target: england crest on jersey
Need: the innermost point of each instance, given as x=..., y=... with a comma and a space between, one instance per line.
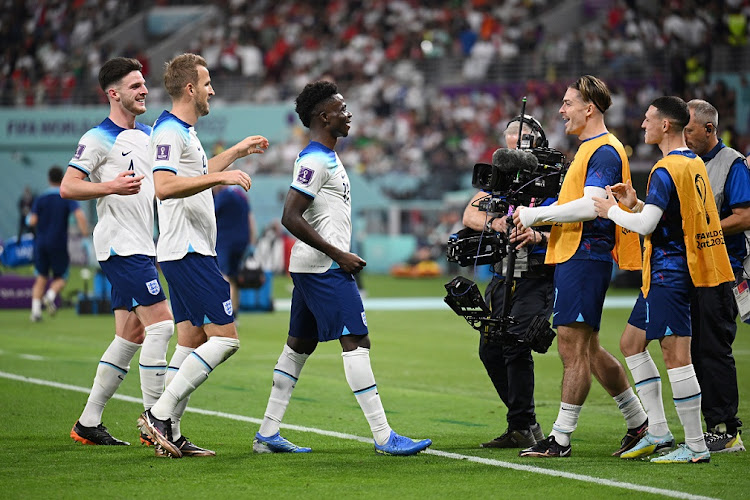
x=153, y=287
x=364, y=318
x=228, y=307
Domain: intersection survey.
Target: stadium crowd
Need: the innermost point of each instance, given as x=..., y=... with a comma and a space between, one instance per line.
x=433, y=83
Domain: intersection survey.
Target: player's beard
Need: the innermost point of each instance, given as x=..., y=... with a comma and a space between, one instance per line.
x=202, y=107
x=132, y=106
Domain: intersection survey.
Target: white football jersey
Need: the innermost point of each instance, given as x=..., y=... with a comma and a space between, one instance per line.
x=319, y=174
x=126, y=222
x=185, y=224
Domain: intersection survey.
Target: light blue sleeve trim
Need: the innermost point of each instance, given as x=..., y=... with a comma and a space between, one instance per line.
x=78, y=167
x=164, y=168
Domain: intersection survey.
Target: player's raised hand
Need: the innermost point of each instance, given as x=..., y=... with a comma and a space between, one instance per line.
x=236, y=178
x=250, y=145
x=625, y=194
x=126, y=183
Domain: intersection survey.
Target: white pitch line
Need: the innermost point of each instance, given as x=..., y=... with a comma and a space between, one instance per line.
x=351, y=437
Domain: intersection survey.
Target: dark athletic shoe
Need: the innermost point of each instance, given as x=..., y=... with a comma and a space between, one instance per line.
x=512, y=439
x=160, y=432
x=98, y=435
x=724, y=442
x=187, y=448
x=546, y=448
x=631, y=438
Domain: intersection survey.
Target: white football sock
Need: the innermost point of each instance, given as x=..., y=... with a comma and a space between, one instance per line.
x=36, y=307
x=648, y=384
x=285, y=376
x=631, y=408
x=687, y=400
x=50, y=295
x=566, y=423
x=110, y=373
x=153, y=361
x=361, y=380
x=193, y=373
x=180, y=353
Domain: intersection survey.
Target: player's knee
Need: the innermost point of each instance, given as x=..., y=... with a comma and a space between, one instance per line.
x=301, y=345
x=352, y=342
x=633, y=341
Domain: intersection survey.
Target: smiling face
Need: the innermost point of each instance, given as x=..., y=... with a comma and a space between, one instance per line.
x=202, y=91
x=339, y=119
x=132, y=91
x=574, y=111
x=654, y=126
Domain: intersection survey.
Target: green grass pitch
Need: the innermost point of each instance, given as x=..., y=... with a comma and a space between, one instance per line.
x=429, y=377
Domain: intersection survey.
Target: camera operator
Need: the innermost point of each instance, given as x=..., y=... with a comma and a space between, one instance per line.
x=714, y=309
x=511, y=366
x=582, y=245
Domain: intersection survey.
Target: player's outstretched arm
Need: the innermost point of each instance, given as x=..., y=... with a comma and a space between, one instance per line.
x=295, y=205
x=75, y=187
x=169, y=185
x=255, y=144
x=579, y=210
x=643, y=222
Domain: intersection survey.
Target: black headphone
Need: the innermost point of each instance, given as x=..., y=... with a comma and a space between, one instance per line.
x=709, y=128
x=540, y=138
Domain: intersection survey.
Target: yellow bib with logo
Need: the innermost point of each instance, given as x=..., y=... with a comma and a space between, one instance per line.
x=707, y=258
x=565, y=238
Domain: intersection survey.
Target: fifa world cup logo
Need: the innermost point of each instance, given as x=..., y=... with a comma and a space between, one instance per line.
x=700, y=186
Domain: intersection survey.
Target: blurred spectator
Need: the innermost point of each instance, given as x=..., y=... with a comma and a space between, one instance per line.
x=430, y=79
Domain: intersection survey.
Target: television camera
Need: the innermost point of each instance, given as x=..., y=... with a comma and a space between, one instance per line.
x=532, y=172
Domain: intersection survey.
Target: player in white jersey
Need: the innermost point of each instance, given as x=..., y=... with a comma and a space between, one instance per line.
x=202, y=307
x=326, y=304
x=114, y=155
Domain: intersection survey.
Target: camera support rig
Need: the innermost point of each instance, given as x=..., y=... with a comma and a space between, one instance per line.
x=515, y=177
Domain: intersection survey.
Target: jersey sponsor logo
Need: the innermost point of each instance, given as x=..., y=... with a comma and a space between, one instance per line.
x=162, y=151
x=227, y=307
x=153, y=287
x=79, y=151
x=126, y=154
x=305, y=176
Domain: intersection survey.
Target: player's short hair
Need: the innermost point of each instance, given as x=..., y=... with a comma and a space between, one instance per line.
x=314, y=94
x=116, y=69
x=673, y=109
x=593, y=90
x=55, y=175
x=704, y=112
x=180, y=71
